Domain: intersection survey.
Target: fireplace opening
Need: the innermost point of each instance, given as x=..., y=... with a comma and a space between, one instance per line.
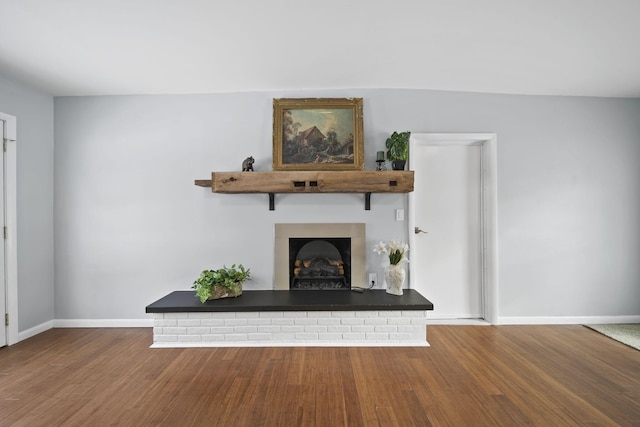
x=320, y=263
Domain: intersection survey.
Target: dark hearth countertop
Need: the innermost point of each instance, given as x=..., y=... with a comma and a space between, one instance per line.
x=324, y=300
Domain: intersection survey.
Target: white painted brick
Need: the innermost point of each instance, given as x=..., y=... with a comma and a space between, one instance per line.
x=270, y=314
x=223, y=315
x=413, y=313
x=189, y=322
x=248, y=315
x=296, y=314
x=353, y=321
x=390, y=313
x=362, y=328
x=260, y=321
x=236, y=337
x=354, y=336
x=269, y=328
x=410, y=328
x=309, y=336
x=166, y=322
x=377, y=336
x=315, y=328
x=330, y=336
x=366, y=314
x=213, y=337
x=176, y=315
x=221, y=329
x=245, y=329
x=343, y=314
x=386, y=328
x=402, y=336
x=376, y=321
x=319, y=314
x=294, y=328
x=200, y=315
x=329, y=321
x=339, y=328
x=259, y=337
x=283, y=321
x=282, y=336
x=400, y=321
x=212, y=322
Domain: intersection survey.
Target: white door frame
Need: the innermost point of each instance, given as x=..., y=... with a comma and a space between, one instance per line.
x=489, y=207
x=11, y=252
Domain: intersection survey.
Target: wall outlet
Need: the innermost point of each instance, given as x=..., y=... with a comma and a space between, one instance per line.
x=373, y=280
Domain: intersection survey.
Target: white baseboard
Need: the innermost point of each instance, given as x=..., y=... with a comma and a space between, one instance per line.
x=31, y=332
x=452, y=321
x=103, y=323
x=567, y=320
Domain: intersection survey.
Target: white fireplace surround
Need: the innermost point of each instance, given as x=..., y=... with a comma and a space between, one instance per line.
x=284, y=232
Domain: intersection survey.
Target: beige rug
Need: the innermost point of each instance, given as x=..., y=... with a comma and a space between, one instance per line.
x=627, y=333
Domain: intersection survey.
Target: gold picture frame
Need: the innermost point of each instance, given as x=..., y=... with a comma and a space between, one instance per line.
x=317, y=134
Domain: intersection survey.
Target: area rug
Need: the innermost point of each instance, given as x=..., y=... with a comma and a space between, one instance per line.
x=627, y=333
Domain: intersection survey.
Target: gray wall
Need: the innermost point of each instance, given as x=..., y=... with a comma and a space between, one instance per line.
x=131, y=226
x=34, y=112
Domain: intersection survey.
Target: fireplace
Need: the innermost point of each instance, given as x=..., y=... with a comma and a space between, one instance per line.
x=320, y=263
x=319, y=256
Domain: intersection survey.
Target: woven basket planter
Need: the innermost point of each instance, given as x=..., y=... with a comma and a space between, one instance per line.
x=218, y=291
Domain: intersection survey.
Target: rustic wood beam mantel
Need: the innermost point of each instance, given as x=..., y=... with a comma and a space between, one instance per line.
x=366, y=182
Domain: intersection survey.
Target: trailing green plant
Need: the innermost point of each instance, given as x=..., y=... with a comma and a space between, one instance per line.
x=229, y=277
x=398, y=146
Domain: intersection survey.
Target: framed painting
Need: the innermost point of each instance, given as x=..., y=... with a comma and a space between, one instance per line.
x=318, y=134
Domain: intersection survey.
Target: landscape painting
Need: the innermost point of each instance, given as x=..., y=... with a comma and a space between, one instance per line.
x=317, y=134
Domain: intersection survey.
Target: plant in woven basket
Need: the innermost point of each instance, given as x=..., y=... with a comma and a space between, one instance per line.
x=221, y=283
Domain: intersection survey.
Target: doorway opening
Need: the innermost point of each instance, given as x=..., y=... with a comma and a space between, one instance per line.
x=9, y=298
x=486, y=275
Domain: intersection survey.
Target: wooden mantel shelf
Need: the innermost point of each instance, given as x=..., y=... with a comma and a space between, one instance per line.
x=270, y=183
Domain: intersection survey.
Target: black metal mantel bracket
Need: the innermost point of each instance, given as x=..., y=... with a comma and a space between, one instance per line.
x=367, y=201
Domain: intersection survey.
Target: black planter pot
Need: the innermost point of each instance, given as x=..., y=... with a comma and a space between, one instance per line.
x=398, y=165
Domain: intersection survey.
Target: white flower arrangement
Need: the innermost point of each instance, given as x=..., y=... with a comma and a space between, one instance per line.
x=396, y=250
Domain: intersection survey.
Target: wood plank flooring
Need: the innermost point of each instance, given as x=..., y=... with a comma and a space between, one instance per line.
x=470, y=376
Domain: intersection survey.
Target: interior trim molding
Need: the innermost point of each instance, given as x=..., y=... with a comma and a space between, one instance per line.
x=489, y=215
x=38, y=329
x=11, y=215
x=103, y=323
x=567, y=320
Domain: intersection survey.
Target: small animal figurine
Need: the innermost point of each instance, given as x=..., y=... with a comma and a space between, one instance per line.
x=247, y=164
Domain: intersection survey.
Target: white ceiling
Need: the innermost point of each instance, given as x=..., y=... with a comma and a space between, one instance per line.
x=100, y=47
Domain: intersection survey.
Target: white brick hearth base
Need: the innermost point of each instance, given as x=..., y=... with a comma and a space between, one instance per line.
x=290, y=328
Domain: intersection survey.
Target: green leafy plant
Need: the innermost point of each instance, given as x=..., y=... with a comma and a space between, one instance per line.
x=398, y=146
x=227, y=277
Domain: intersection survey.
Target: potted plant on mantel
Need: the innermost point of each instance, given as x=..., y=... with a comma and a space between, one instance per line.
x=398, y=149
x=224, y=282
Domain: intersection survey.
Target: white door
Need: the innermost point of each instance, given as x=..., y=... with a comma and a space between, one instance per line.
x=447, y=206
x=3, y=282
x=453, y=262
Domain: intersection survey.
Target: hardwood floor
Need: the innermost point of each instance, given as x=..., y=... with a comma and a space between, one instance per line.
x=470, y=376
